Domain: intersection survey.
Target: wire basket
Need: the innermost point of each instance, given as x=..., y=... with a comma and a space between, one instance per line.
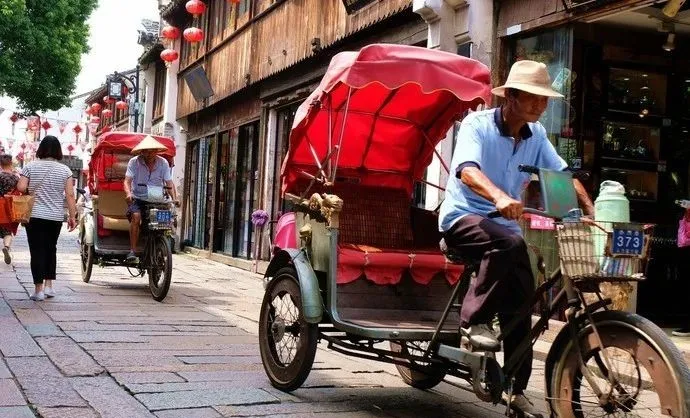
x=604, y=252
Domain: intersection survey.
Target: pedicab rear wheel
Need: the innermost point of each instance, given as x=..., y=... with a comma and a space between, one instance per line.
x=87, y=255
x=286, y=341
x=421, y=376
x=160, y=272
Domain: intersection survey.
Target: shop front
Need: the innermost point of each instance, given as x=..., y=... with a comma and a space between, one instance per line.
x=625, y=73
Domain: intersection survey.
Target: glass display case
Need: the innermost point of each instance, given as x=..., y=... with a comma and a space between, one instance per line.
x=638, y=92
x=630, y=156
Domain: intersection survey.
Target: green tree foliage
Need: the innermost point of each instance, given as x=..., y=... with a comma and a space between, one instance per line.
x=41, y=43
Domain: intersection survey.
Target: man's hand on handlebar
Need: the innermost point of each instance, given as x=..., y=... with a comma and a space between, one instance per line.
x=509, y=207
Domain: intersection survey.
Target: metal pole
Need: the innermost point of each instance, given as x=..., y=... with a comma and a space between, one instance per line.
x=136, y=100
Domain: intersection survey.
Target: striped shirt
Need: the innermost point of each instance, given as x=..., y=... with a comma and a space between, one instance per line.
x=47, y=184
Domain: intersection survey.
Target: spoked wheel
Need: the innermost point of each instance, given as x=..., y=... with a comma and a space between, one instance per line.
x=87, y=256
x=286, y=341
x=421, y=375
x=160, y=271
x=648, y=375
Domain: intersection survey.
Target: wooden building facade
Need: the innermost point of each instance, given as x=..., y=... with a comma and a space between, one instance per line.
x=261, y=58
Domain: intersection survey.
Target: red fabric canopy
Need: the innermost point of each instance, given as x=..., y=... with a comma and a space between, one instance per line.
x=112, y=144
x=387, y=106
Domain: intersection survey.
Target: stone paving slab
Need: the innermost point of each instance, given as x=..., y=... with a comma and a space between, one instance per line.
x=186, y=368
x=15, y=341
x=4, y=371
x=189, y=413
x=108, y=398
x=10, y=394
x=96, y=326
x=16, y=412
x=67, y=412
x=69, y=357
x=147, y=378
x=202, y=398
x=291, y=408
x=42, y=383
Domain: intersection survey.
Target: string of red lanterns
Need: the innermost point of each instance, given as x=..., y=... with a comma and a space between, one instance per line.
x=192, y=34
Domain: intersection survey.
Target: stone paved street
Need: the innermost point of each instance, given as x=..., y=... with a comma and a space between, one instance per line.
x=106, y=349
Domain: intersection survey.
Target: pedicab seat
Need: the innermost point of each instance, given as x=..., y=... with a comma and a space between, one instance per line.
x=111, y=208
x=377, y=240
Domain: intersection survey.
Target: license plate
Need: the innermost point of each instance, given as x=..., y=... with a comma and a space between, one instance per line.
x=163, y=217
x=627, y=240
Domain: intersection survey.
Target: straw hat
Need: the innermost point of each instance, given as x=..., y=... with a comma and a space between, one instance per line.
x=529, y=76
x=148, y=143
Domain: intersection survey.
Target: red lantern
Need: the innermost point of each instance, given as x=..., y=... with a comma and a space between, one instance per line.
x=77, y=129
x=170, y=33
x=95, y=109
x=107, y=113
x=46, y=125
x=193, y=34
x=108, y=100
x=95, y=119
x=70, y=148
x=235, y=1
x=169, y=55
x=121, y=105
x=195, y=7
x=14, y=118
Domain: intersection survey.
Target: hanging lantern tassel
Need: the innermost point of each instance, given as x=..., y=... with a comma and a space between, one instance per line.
x=70, y=148
x=14, y=118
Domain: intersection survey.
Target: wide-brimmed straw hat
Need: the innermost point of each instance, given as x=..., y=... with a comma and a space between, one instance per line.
x=148, y=143
x=529, y=76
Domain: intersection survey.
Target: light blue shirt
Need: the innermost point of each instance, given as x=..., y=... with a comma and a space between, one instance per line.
x=140, y=174
x=484, y=141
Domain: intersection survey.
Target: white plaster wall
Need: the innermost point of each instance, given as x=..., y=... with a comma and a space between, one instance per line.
x=451, y=23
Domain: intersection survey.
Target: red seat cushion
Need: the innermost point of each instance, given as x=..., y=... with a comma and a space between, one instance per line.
x=385, y=266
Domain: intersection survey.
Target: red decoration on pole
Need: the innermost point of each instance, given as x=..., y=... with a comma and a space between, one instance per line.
x=46, y=125
x=193, y=35
x=169, y=55
x=107, y=113
x=170, y=33
x=121, y=105
x=23, y=146
x=70, y=148
x=195, y=7
x=96, y=108
x=14, y=118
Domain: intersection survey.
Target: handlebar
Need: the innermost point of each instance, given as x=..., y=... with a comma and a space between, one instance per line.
x=496, y=214
x=577, y=174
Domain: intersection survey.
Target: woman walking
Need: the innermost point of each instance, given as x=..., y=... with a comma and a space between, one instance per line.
x=8, y=185
x=50, y=182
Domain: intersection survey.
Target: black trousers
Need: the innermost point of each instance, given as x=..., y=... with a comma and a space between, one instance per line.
x=503, y=283
x=42, y=235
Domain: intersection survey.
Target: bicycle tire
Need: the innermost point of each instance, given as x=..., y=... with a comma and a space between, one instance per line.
x=632, y=334
x=159, y=290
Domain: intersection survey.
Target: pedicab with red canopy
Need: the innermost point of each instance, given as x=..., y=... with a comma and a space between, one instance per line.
x=355, y=263
x=357, y=266
x=104, y=227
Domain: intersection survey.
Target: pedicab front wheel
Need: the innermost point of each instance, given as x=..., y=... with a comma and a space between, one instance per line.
x=286, y=341
x=160, y=273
